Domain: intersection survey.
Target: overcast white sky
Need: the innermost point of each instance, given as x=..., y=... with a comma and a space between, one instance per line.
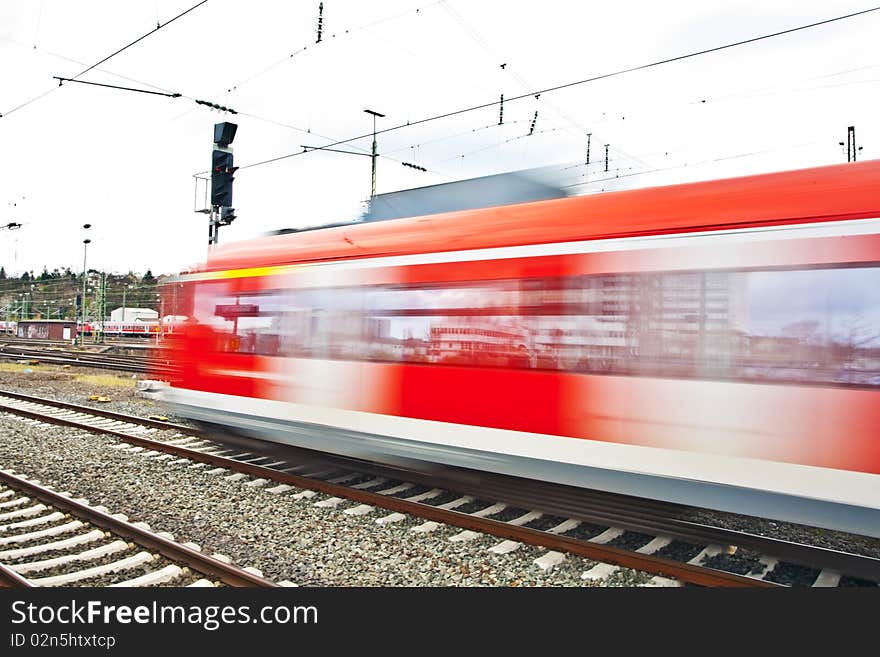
x=124, y=161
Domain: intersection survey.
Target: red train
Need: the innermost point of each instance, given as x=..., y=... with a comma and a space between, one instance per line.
x=713, y=343
x=123, y=329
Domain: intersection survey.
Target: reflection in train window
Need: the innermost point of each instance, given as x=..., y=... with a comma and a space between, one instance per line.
x=252, y=323
x=807, y=326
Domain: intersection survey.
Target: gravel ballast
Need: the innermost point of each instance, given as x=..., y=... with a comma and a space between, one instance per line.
x=63, y=385
x=283, y=537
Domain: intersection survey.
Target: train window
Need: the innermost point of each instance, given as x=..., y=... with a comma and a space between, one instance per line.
x=244, y=323
x=794, y=326
x=801, y=326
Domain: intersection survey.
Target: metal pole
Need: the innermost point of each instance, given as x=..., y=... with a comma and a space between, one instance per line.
x=123, y=302
x=373, y=158
x=374, y=155
x=162, y=312
x=82, y=305
x=102, y=307
x=96, y=311
x=213, y=228
x=589, y=137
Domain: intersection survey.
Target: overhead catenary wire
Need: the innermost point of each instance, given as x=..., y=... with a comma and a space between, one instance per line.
x=140, y=38
x=116, y=86
x=575, y=128
x=460, y=156
x=568, y=85
x=323, y=40
x=72, y=60
x=693, y=164
x=108, y=57
x=162, y=91
x=453, y=136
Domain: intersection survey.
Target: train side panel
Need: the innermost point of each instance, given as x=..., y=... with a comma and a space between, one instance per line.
x=737, y=368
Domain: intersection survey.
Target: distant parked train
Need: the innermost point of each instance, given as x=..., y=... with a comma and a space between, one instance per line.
x=114, y=329
x=124, y=329
x=714, y=343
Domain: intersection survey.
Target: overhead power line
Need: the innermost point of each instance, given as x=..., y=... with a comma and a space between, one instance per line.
x=171, y=94
x=468, y=29
x=568, y=85
x=110, y=56
x=158, y=27
x=116, y=86
x=417, y=11
x=695, y=163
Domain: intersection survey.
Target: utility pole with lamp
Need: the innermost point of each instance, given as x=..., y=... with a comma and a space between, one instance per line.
x=81, y=334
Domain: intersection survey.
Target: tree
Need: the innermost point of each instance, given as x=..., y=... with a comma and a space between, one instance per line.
x=44, y=275
x=2, y=273
x=25, y=276
x=148, y=278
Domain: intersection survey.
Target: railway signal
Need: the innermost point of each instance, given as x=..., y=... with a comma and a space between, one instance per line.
x=221, y=178
x=222, y=170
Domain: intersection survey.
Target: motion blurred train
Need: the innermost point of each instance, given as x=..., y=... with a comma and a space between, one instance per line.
x=715, y=344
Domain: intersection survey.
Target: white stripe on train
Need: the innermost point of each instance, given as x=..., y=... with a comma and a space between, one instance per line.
x=598, y=245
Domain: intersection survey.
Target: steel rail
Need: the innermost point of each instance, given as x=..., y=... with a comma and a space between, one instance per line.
x=11, y=579
x=145, y=341
x=608, y=554
x=112, y=415
x=558, y=499
x=137, y=364
x=593, y=506
x=203, y=563
x=599, y=507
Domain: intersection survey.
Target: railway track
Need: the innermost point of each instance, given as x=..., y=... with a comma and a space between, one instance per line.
x=108, y=341
x=108, y=361
x=49, y=539
x=615, y=531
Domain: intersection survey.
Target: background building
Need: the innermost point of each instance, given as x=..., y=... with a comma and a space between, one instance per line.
x=134, y=315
